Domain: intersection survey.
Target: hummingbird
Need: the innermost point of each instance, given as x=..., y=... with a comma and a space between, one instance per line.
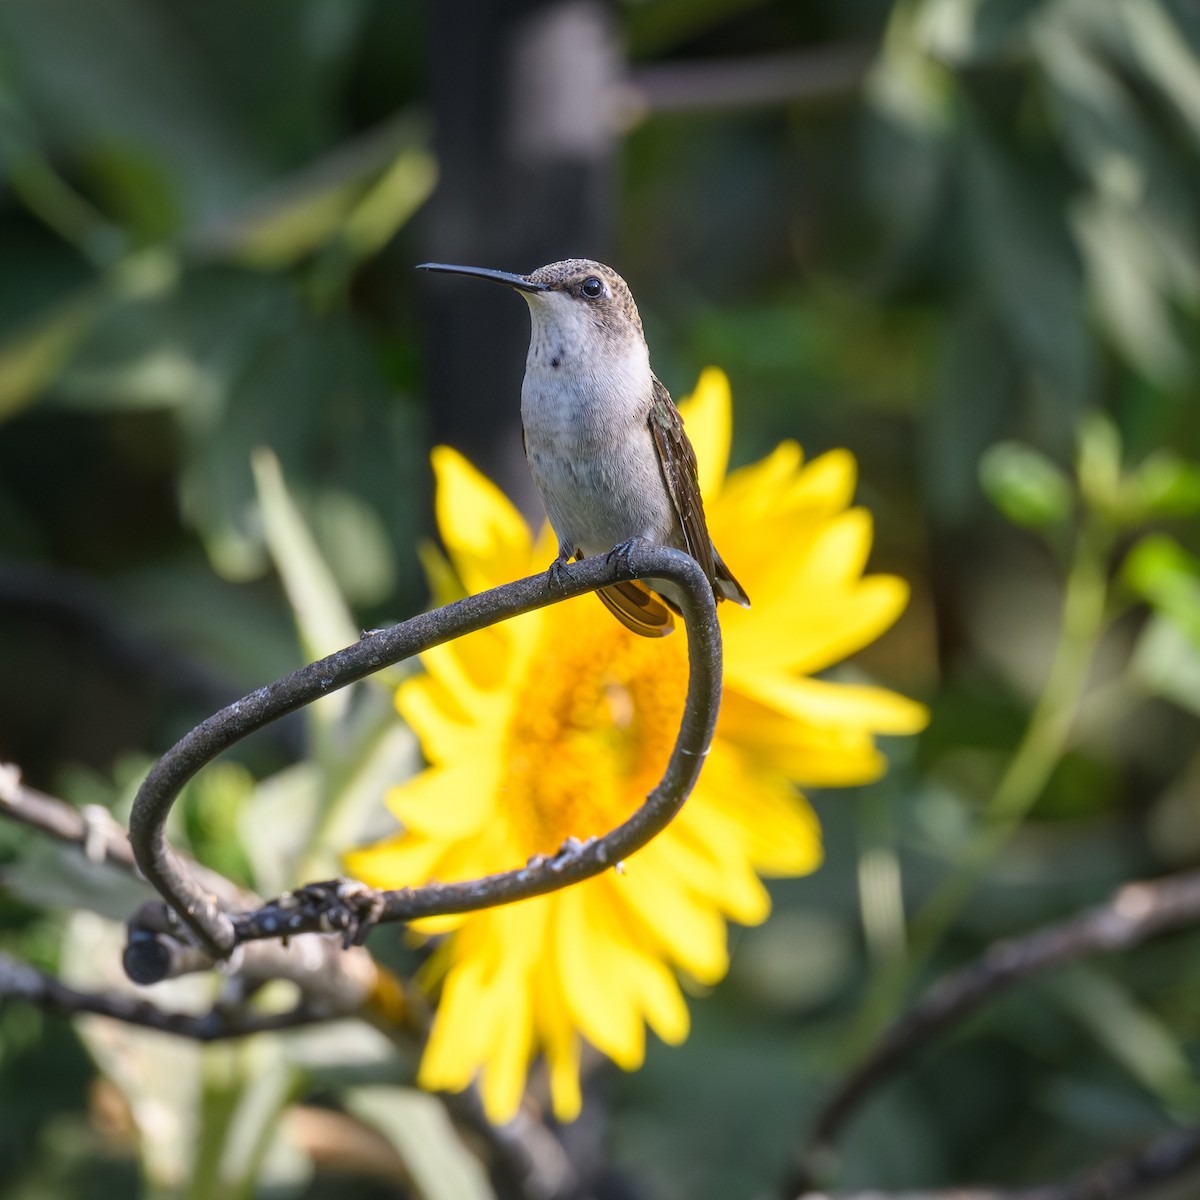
x=605, y=442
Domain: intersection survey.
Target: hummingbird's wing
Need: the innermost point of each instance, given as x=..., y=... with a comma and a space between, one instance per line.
x=681, y=475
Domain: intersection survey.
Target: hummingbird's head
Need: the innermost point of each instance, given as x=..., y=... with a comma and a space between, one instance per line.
x=577, y=300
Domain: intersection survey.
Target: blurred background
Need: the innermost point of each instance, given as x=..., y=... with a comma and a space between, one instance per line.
x=958, y=237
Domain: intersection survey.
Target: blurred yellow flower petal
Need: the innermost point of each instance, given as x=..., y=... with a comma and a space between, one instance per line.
x=708, y=417
x=840, y=705
x=556, y=725
x=484, y=535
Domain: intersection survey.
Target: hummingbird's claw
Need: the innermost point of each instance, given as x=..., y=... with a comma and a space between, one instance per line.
x=555, y=572
x=622, y=550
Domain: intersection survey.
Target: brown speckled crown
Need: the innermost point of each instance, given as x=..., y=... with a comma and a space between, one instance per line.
x=568, y=275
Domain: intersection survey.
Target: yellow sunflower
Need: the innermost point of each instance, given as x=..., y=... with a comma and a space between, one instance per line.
x=556, y=724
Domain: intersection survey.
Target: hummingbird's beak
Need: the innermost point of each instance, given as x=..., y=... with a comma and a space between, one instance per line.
x=521, y=282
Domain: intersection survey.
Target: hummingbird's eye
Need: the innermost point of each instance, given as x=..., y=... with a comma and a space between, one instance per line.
x=592, y=287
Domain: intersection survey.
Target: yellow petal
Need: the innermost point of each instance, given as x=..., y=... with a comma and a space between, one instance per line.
x=507, y=1064
x=837, y=705
x=561, y=1042
x=825, y=485
x=708, y=418
x=591, y=974
x=460, y=693
x=486, y=538
x=700, y=866
x=780, y=834
x=809, y=633
x=446, y=803
x=458, y=1040
x=753, y=492
x=446, y=736
x=689, y=932
x=400, y=861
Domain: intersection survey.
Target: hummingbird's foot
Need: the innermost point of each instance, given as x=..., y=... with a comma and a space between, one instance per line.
x=557, y=582
x=622, y=550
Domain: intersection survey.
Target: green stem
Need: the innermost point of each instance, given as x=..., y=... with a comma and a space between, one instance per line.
x=57, y=205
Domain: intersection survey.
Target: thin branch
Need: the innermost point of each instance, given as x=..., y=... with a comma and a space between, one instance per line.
x=1135, y=913
x=729, y=84
x=94, y=830
x=158, y=947
x=20, y=981
x=1164, y=1160
x=355, y=908
x=99, y=836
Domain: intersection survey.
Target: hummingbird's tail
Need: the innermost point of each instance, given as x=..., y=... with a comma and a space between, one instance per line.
x=724, y=584
x=638, y=608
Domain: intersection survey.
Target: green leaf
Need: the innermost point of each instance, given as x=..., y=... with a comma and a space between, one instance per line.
x=1167, y=664
x=1025, y=485
x=1134, y=1036
x=354, y=198
x=32, y=358
x=1160, y=43
x=322, y=617
x=276, y=825
x=417, y=1126
x=1165, y=485
x=155, y=1075
x=1099, y=462
x=1166, y=576
x=1028, y=263
x=355, y=543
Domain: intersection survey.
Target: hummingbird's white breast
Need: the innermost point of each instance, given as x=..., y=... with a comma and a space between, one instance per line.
x=585, y=404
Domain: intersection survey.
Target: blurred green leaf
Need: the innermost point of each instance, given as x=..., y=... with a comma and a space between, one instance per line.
x=1098, y=463
x=422, y=1134
x=1120, y=256
x=91, y=70
x=908, y=84
x=277, y=824
x=1027, y=261
x=1166, y=576
x=656, y=25
x=966, y=32
x=159, y=1078
x=1136, y=230
x=322, y=618
x=383, y=755
x=32, y=357
x=389, y=202
x=1159, y=36
x=1166, y=663
x=794, y=962
x=1025, y=485
x=355, y=543
x=211, y=803
x=241, y=1150
x=137, y=188
x=1132, y=1034
x=1165, y=485
x=59, y=878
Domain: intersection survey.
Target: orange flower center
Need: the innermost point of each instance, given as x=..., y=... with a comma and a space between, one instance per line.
x=593, y=725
